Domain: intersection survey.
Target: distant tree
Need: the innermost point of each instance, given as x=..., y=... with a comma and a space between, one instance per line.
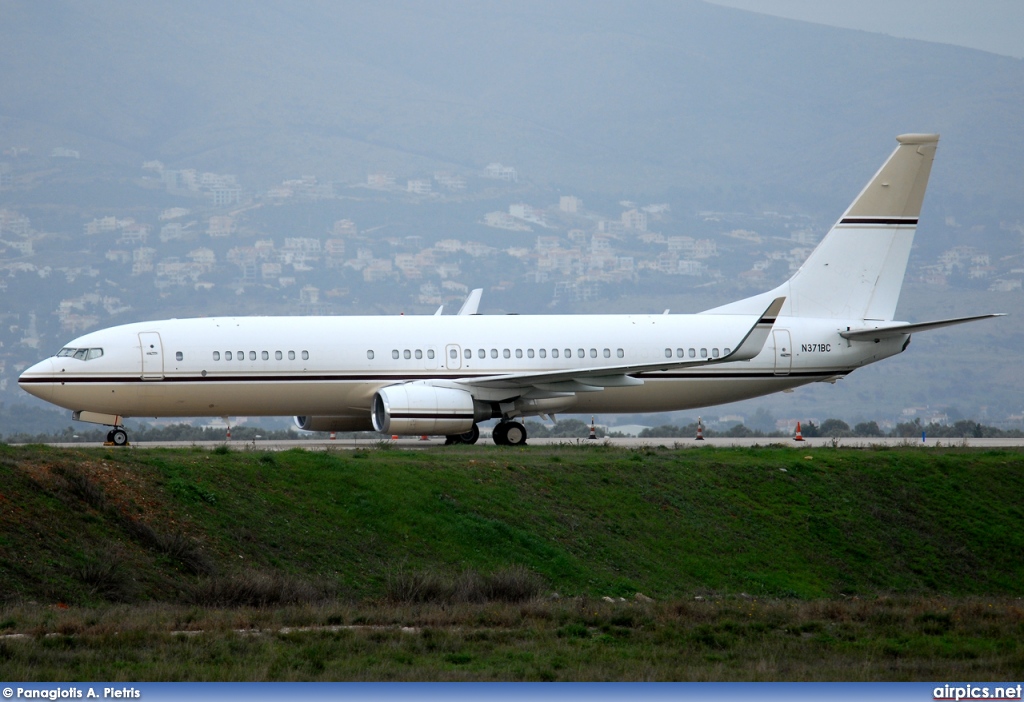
x=669, y=431
x=908, y=429
x=867, y=429
x=834, y=427
x=565, y=429
x=809, y=428
x=763, y=420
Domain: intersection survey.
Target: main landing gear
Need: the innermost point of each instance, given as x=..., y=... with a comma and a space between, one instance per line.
x=509, y=434
x=470, y=437
x=117, y=437
x=505, y=433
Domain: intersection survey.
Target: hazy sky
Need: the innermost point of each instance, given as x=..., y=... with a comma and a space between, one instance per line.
x=990, y=25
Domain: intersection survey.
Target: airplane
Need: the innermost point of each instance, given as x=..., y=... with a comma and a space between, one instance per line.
x=413, y=375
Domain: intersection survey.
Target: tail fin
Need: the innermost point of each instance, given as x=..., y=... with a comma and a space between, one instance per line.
x=856, y=272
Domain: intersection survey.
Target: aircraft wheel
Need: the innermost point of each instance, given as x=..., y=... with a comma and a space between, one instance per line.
x=471, y=436
x=119, y=437
x=500, y=433
x=515, y=434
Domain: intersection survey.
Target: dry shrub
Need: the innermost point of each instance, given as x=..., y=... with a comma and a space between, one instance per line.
x=81, y=487
x=514, y=584
x=107, y=578
x=177, y=546
x=254, y=589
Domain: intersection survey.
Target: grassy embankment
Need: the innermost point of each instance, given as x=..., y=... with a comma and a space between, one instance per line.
x=812, y=564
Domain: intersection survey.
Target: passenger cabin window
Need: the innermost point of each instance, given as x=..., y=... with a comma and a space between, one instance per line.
x=593, y=353
x=543, y=353
x=568, y=353
x=179, y=356
x=506, y=353
x=216, y=355
x=607, y=353
x=494, y=353
x=620, y=353
x=668, y=353
x=529, y=353
x=407, y=354
x=519, y=353
x=394, y=354
x=278, y=355
x=291, y=355
x=453, y=354
x=468, y=353
x=252, y=355
x=305, y=355
x=430, y=353
x=227, y=355
x=265, y=355
x=369, y=355
x=703, y=353
x=554, y=353
x=714, y=353
x=241, y=355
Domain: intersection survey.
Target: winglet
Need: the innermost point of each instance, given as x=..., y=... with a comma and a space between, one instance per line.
x=472, y=302
x=755, y=339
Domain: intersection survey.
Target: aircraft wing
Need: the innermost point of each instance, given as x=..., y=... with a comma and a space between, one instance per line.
x=592, y=379
x=885, y=332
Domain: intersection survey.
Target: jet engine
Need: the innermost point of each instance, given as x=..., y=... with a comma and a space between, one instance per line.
x=348, y=423
x=426, y=409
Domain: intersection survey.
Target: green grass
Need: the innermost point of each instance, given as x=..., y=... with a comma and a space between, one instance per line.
x=93, y=525
x=892, y=638
x=772, y=563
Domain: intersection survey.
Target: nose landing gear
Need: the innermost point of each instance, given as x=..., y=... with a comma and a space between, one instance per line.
x=116, y=437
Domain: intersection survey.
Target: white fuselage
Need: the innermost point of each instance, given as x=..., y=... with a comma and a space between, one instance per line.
x=280, y=366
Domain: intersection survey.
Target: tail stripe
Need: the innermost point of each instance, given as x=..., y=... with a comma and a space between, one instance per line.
x=908, y=221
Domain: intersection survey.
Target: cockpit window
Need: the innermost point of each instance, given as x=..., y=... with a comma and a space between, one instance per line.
x=80, y=354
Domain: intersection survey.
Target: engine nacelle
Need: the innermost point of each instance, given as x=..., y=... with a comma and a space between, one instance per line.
x=349, y=423
x=424, y=409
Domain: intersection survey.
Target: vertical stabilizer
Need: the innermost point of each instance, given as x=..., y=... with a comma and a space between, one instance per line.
x=856, y=272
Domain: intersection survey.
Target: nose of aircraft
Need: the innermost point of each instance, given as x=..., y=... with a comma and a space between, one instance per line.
x=38, y=379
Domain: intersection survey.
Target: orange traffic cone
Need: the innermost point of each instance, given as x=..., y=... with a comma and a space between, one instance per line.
x=229, y=434
x=700, y=430
x=593, y=430
x=333, y=436
x=799, y=436
x=424, y=438
x=394, y=437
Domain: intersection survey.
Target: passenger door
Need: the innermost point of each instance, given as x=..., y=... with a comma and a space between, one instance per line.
x=783, y=351
x=152, y=356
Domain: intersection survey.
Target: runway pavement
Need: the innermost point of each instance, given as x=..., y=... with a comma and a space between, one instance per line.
x=629, y=442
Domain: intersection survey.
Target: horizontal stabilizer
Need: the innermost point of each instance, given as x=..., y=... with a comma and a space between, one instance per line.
x=888, y=331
